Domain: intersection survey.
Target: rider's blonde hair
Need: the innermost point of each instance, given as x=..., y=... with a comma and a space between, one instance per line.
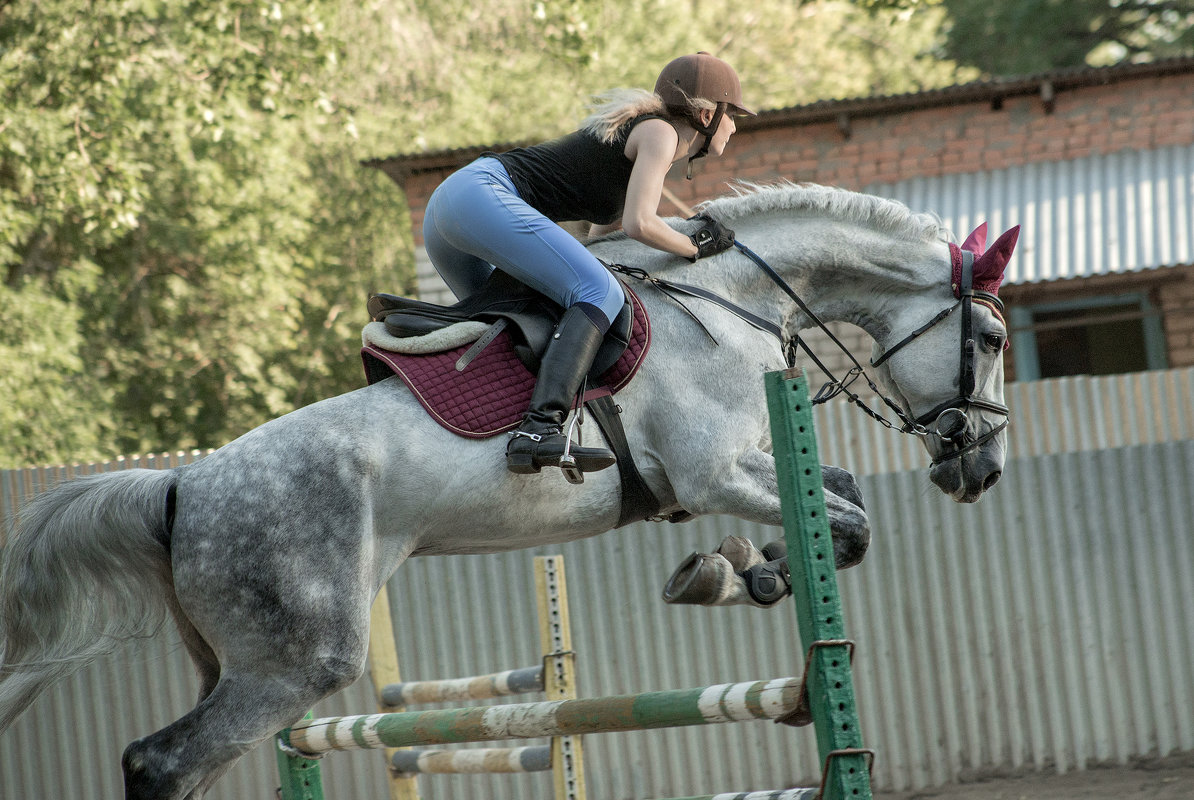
x=613, y=109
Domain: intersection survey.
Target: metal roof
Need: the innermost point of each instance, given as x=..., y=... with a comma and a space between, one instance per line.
x=987, y=90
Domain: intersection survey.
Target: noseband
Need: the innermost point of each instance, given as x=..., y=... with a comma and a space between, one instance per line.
x=949, y=420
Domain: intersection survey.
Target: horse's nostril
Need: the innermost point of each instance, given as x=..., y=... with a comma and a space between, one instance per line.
x=992, y=479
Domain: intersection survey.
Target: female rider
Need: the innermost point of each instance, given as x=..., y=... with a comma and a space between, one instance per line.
x=501, y=211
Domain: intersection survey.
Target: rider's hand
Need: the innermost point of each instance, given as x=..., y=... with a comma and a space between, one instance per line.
x=711, y=238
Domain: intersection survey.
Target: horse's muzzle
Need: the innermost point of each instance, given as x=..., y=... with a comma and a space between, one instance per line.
x=972, y=470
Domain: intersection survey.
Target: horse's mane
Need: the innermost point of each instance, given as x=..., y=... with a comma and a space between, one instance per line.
x=878, y=212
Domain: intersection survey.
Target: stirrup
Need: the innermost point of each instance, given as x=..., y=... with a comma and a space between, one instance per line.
x=568, y=465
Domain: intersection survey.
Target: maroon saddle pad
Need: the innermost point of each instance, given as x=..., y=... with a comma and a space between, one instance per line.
x=491, y=395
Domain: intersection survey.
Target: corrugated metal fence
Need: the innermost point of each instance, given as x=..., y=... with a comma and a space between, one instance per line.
x=1046, y=627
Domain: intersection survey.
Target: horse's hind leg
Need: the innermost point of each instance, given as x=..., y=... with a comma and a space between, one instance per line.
x=248, y=705
x=207, y=666
x=185, y=758
x=283, y=607
x=274, y=667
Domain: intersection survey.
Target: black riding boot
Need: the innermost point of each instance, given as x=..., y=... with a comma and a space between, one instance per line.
x=540, y=440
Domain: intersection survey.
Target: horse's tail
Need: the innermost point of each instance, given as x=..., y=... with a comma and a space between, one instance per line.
x=86, y=568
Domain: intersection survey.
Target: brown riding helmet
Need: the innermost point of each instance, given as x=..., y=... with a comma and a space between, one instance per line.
x=700, y=75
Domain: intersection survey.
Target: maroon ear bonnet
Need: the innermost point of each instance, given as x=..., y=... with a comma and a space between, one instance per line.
x=989, y=265
x=976, y=242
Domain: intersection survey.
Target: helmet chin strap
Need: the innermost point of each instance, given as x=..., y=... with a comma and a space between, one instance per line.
x=709, y=130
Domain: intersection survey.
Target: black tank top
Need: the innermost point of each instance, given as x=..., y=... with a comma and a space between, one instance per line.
x=574, y=177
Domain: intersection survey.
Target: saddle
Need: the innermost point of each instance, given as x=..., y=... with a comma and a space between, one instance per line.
x=481, y=387
x=527, y=316
x=472, y=365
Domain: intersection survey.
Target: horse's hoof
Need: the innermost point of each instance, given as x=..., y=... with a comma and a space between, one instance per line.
x=735, y=574
x=774, y=551
x=703, y=580
x=740, y=552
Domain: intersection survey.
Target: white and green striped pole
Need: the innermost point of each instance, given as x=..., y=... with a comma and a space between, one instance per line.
x=706, y=705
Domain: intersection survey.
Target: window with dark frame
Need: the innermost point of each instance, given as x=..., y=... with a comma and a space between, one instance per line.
x=1107, y=335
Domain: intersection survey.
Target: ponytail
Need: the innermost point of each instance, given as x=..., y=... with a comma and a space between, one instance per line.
x=613, y=109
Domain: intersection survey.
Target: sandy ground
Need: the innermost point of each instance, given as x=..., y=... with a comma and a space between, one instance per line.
x=1167, y=779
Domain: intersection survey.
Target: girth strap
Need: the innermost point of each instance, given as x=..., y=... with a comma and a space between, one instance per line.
x=638, y=501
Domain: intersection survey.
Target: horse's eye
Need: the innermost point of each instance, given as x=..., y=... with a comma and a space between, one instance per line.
x=993, y=341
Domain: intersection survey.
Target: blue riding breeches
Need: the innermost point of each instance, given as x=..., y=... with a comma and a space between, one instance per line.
x=476, y=221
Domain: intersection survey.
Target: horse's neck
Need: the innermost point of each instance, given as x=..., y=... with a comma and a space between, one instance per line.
x=843, y=273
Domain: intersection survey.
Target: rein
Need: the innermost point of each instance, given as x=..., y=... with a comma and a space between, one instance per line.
x=836, y=386
x=949, y=419
x=670, y=289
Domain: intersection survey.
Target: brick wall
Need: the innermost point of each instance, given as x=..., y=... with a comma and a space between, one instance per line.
x=876, y=146
x=966, y=137
x=1176, y=299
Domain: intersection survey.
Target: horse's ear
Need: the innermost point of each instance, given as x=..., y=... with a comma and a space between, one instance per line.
x=989, y=267
x=976, y=242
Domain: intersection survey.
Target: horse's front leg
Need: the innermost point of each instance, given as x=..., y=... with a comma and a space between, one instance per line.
x=847, y=516
x=750, y=490
x=738, y=572
x=746, y=488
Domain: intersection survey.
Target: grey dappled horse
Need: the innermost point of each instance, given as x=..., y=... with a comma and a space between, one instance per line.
x=269, y=552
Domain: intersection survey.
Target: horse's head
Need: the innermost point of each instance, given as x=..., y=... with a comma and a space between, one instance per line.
x=943, y=363
x=871, y=262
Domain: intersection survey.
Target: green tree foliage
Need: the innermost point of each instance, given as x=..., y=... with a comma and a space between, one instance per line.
x=1031, y=36
x=447, y=73
x=173, y=257
x=45, y=394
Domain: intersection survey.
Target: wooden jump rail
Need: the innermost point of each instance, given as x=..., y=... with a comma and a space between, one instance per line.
x=825, y=693
x=482, y=687
x=555, y=677
x=536, y=758
x=706, y=705
x=449, y=690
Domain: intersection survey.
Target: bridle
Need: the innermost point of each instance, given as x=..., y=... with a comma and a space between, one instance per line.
x=948, y=421
x=709, y=132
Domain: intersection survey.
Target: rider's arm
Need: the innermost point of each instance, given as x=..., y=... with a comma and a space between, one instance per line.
x=652, y=146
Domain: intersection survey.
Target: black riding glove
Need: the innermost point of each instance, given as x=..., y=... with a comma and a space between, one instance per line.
x=711, y=238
